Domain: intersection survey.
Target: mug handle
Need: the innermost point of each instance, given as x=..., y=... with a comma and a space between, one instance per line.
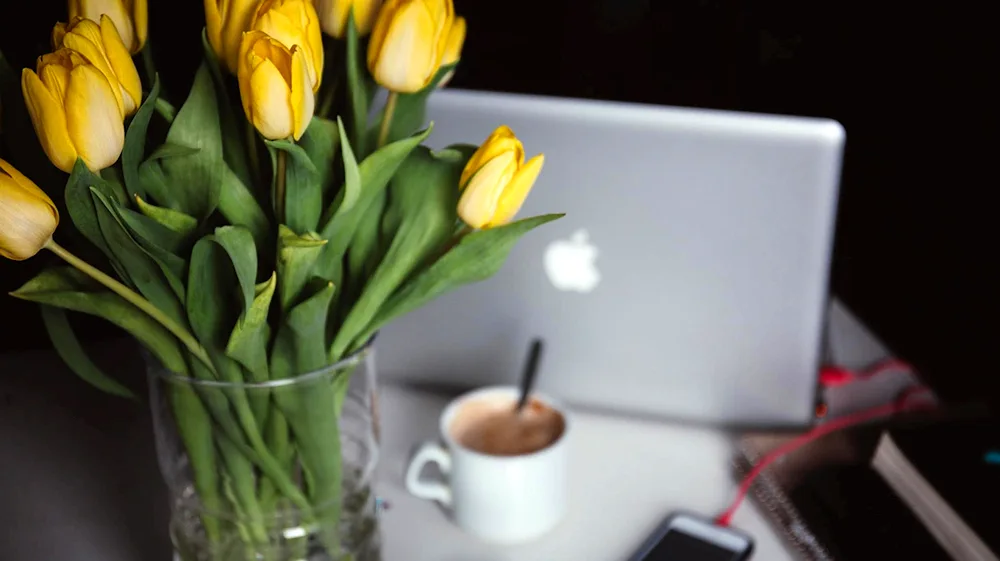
x=429, y=452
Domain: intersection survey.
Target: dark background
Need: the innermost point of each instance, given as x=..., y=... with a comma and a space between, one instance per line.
x=914, y=85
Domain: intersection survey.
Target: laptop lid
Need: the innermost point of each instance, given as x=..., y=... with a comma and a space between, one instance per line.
x=687, y=280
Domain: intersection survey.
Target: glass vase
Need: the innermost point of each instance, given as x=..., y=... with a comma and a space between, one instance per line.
x=273, y=471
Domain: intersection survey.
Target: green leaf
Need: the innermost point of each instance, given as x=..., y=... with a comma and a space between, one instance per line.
x=69, y=349
x=211, y=306
x=238, y=243
x=138, y=265
x=80, y=205
x=410, y=113
x=238, y=205
x=176, y=221
x=321, y=142
x=135, y=141
x=146, y=229
x=239, y=484
x=303, y=192
x=364, y=248
x=477, y=257
x=248, y=342
x=357, y=89
x=425, y=194
x=114, y=182
x=297, y=256
x=166, y=110
x=230, y=118
x=308, y=322
x=67, y=288
x=352, y=176
x=160, y=243
x=194, y=181
x=194, y=425
x=376, y=171
x=171, y=150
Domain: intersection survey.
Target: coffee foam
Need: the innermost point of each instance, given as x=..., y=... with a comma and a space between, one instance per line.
x=490, y=425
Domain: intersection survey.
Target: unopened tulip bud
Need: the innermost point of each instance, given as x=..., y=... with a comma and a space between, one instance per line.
x=408, y=43
x=28, y=218
x=496, y=181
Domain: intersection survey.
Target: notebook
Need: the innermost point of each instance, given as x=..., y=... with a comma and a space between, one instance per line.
x=942, y=474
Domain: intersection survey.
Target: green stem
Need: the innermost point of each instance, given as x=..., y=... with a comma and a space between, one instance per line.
x=329, y=96
x=135, y=299
x=390, y=108
x=279, y=186
x=148, y=65
x=252, y=150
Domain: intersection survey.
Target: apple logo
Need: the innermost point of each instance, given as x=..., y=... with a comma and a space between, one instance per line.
x=571, y=264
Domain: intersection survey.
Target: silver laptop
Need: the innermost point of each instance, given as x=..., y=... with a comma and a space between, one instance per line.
x=688, y=279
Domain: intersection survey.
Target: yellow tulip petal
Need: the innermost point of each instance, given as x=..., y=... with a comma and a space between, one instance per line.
x=27, y=184
x=27, y=216
x=121, y=63
x=314, y=40
x=456, y=38
x=517, y=190
x=364, y=14
x=118, y=12
x=271, y=108
x=244, y=71
x=56, y=79
x=85, y=38
x=95, y=125
x=213, y=29
x=493, y=147
x=382, y=23
x=407, y=53
x=234, y=18
x=58, y=32
x=444, y=15
x=302, y=100
x=479, y=201
x=49, y=120
x=140, y=18
x=287, y=31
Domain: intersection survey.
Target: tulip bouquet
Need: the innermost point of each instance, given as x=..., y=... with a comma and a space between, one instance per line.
x=252, y=242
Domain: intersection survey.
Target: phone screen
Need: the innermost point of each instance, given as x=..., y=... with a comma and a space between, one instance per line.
x=677, y=546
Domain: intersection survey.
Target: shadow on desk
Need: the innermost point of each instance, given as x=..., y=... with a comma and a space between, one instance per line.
x=78, y=472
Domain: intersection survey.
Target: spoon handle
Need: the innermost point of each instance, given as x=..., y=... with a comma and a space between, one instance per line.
x=530, y=372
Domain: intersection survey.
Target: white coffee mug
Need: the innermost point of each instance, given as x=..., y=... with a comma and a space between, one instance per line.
x=501, y=499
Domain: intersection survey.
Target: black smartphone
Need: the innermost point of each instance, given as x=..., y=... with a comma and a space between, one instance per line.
x=685, y=537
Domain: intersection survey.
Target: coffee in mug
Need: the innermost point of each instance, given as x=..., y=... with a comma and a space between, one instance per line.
x=505, y=471
x=492, y=425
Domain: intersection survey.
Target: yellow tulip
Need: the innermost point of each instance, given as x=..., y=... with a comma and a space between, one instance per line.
x=103, y=47
x=496, y=181
x=294, y=23
x=333, y=15
x=274, y=86
x=408, y=43
x=74, y=110
x=225, y=23
x=453, y=50
x=456, y=38
x=130, y=17
x=27, y=216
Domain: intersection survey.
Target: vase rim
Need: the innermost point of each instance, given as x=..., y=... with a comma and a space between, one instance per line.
x=350, y=360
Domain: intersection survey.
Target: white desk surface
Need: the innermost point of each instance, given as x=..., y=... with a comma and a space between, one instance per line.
x=626, y=476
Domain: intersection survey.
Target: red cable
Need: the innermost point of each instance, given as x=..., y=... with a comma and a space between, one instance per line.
x=833, y=376
x=900, y=404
